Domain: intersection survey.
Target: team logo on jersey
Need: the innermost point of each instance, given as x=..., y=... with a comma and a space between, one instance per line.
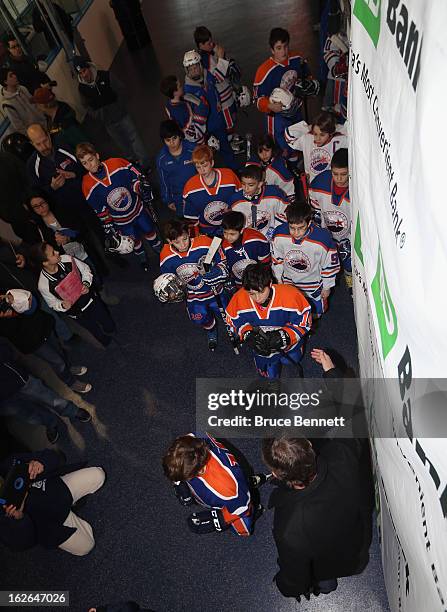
x=214, y=211
x=119, y=199
x=289, y=79
x=320, y=159
x=337, y=223
x=239, y=267
x=298, y=260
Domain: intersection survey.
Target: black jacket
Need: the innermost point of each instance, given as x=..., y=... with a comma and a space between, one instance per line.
x=27, y=332
x=322, y=531
x=27, y=72
x=12, y=376
x=47, y=506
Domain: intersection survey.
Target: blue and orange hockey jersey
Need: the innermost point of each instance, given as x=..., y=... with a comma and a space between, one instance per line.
x=206, y=205
x=186, y=266
x=113, y=192
x=224, y=486
x=253, y=247
x=288, y=309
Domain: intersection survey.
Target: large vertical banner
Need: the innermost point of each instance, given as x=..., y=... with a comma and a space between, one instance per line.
x=397, y=86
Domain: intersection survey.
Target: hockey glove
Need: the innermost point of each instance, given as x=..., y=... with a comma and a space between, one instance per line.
x=217, y=275
x=183, y=494
x=258, y=342
x=278, y=339
x=307, y=87
x=207, y=521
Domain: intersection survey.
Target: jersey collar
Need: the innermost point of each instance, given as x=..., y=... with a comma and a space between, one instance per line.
x=212, y=190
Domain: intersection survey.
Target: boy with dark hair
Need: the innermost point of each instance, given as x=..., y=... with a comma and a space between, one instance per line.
x=264, y=206
x=304, y=255
x=242, y=247
x=330, y=194
x=207, y=194
x=204, y=472
x=17, y=103
x=189, y=112
x=183, y=256
x=283, y=70
x=275, y=168
x=272, y=319
x=113, y=189
x=174, y=165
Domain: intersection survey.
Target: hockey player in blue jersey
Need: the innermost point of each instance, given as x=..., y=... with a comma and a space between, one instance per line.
x=184, y=256
x=190, y=113
x=204, y=472
x=264, y=206
x=174, y=165
x=242, y=247
x=271, y=319
x=269, y=157
x=330, y=195
x=201, y=84
x=283, y=70
x=305, y=255
x=113, y=189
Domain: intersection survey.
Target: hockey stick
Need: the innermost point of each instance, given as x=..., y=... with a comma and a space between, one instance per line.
x=213, y=248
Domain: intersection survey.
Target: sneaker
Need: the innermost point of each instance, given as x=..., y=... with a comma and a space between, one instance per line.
x=52, y=435
x=212, y=338
x=81, y=387
x=257, y=480
x=78, y=370
x=83, y=415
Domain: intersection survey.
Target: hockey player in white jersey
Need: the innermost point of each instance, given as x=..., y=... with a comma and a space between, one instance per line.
x=305, y=255
x=264, y=206
x=330, y=194
x=318, y=142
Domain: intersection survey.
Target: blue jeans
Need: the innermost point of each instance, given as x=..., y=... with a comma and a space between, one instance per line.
x=51, y=351
x=124, y=133
x=37, y=404
x=62, y=330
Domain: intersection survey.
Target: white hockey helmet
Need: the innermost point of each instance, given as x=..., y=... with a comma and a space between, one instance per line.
x=244, y=97
x=283, y=96
x=123, y=245
x=167, y=288
x=191, y=58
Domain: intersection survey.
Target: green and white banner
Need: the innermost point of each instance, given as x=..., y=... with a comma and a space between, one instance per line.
x=397, y=84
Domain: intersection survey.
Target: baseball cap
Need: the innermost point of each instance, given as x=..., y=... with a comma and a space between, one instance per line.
x=79, y=63
x=42, y=95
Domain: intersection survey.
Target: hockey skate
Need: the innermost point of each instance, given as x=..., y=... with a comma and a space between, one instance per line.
x=257, y=480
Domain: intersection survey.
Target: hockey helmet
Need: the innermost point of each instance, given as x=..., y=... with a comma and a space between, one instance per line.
x=167, y=288
x=17, y=144
x=244, y=97
x=191, y=58
x=289, y=103
x=117, y=243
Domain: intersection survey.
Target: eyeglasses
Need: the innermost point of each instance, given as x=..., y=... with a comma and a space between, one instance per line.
x=41, y=205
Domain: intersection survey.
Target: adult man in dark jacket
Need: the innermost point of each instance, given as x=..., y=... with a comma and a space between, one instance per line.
x=46, y=516
x=320, y=523
x=24, y=66
x=105, y=96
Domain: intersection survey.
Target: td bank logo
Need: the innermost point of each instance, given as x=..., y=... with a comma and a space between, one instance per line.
x=368, y=13
x=386, y=313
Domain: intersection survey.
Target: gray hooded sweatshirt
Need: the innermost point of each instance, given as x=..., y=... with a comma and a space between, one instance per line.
x=19, y=109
